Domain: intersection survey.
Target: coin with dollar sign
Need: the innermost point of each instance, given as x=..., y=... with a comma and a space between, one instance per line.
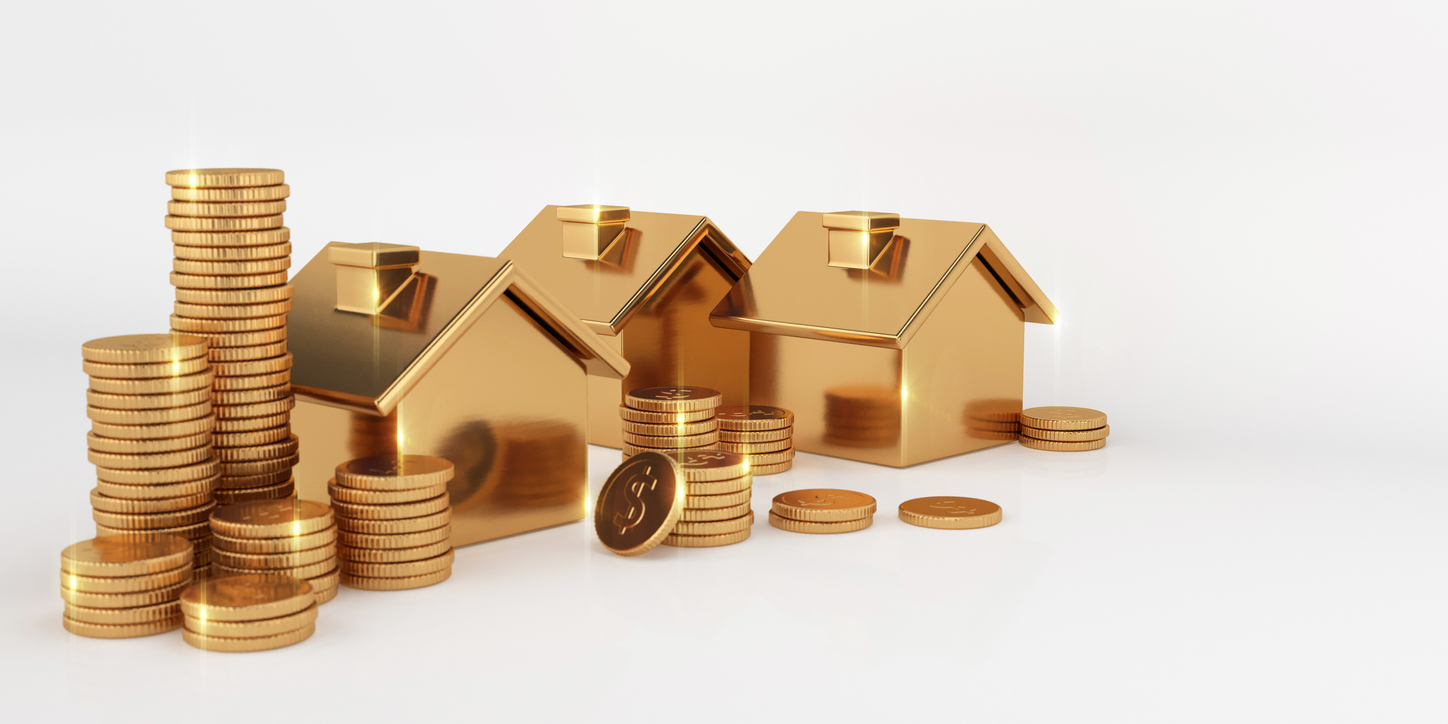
x=639, y=504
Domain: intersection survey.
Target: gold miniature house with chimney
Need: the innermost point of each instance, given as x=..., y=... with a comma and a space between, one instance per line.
x=398, y=350
x=645, y=282
x=894, y=341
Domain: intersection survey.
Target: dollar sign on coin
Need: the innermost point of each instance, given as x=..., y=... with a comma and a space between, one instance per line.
x=639, y=504
x=632, y=508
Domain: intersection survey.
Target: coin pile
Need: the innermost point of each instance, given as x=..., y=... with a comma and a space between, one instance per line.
x=230, y=274
x=716, y=509
x=950, y=513
x=763, y=434
x=394, y=520
x=124, y=586
x=294, y=537
x=669, y=418
x=151, y=436
x=1064, y=429
x=862, y=416
x=248, y=612
x=822, y=510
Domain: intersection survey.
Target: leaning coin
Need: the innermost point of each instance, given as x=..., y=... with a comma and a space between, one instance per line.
x=639, y=504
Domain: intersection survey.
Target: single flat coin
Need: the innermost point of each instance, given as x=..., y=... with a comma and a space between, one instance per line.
x=307, y=572
x=801, y=526
x=247, y=267
x=251, y=397
x=629, y=449
x=1099, y=433
x=823, y=505
x=271, y=519
x=327, y=594
x=703, y=514
x=247, y=495
x=120, y=446
x=191, y=533
x=393, y=511
x=199, y=426
x=265, y=237
x=1061, y=446
x=258, y=467
x=143, y=348
x=157, y=492
x=139, y=371
x=242, y=482
x=395, y=584
x=126, y=584
x=268, y=451
x=153, y=521
x=393, y=555
x=264, y=295
x=648, y=417
x=149, y=417
x=720, y=487
x=359, y=496
x=272, y=561
x=246, y=223
x=1063, y=418
x=161, y=476
x=718, y=500
x=714, y=527
x=224, y=178
x=669, y=430
x=222, y=209
x=394, y=527
x=110, y=401
x=157, y=386
x=755, y=448
x=122, y=600
x=674, y=399
x=248, y=193
x=756, y=436
x=950, y=512
x=671, y=442
x=231, y=311
x=232, y=253
x=109, y=504
x=770, y=458
x=249, y=424
x=707, y=541
x=241, y=645
x=774, y=469
x=710, y=465
x=394, y=472
x=239, y=281
x=290, y=544
x=255, y=367
x=753, y=418
x=120, y=631
x=253, y=629
x=255, y=437
x=226, y=326
x=639, y=504
x=254, y=382
x=403, y=540
x=405, y=569
x=246, y=597
x=124, y=616
x=135, y=461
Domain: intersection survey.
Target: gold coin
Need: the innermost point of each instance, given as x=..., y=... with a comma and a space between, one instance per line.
x=327, y=594
x=223, y=209
x=124, y=461
x=398, y=570
x=672, y=430
x=120, y=631
x=707, y=541
x=753, y=448
x=393, y=511
x=259, y=467
x=238, y=354
x=309, y=571
x=770, y=458
x=249, y=267
x=157, y=386
x=1061, y=446
x=125, y=584
x=394, y=472
x=160, y=505
x=269, y=451
x=255, y=367
x=801, y=526
x=1063, y=418
x=232, y=253
x=255, y=409
x=168, y=430
x=753, y=418
x=124, y=616
x=227, y=326
x=152, y=521
x=271, y=519
x=238, y=281
x=249, y=424
x=158, y=476
x=254, y=382
x=718, y=500
x=1099, y=433
x=122, y=600
x=255, y=437
x=224, y=178
x=157, y=492
x=253, y=629
x=243, y=223
x=664, y=418
x=671, y=442
x=238, y=482
x=394, y=527
x=240, y=645
x=709, y=465
x=720, y=487
x=393, y=555
x=231, y=311
x=251, y=397
x=639, y=504
x=148, y=417
x=192, y=533
x=630, y=449
x=209, y=239
x=326, y=582
x=144, y=371
x=709, y=514
x=235, y=296
x=950, y=512
x=248, y=193
x=110, y=401
x=323, y=538
x=359, y=496
x=264, y=561
x=714, y=527
x=404, y=540
x=823, y=505
x=774, y=469
x=146, y=447
x=758, y=436
x=246, y=597
x=134, y=349
x=395, y=584
x=132, y=554
x=674, y=399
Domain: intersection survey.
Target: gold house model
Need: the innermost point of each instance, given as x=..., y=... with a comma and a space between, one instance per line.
x=645, y=282
x=462, y=357
x=894, y=341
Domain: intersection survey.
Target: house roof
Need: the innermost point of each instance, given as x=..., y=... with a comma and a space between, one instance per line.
x=371, y=362
x=606, y=293
x=791, y=289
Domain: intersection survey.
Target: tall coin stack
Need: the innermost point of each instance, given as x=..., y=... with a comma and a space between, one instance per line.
x=822, y=510
x=151, y=436
x=248, y=612
x=716, y=509
x=394, y=521
x=1064, y=429
x=230, y=274
x=663, y=419
x=294, y=537
x=124, y=586
x=759, y=432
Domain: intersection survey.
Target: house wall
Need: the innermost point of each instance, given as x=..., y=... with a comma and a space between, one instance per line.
x=507, y=405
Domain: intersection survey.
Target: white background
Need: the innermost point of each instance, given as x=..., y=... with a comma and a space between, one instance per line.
x=1238, y=207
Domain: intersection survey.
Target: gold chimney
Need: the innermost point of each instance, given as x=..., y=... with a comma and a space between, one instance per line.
x=589, y=229
x=858, y=237
x=370, y=275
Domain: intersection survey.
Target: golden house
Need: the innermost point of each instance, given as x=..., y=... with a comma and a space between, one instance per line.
x=645, y=282
x=894, y=341
x=462, y=357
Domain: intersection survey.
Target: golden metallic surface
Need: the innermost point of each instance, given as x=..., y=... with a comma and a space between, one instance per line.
x=180, y=474
x=714, y=527
x=143, y=349
x=120, y=631
x=265, y=561
x=711, y=514
x=949, y=512
x=774, y=469
x=132, y=554
x=395, y=527
x=190, y=532
x=592, y=214
x=124, y=616
x=287, y=544
x=1099, y=433
x=200, y=425
x=710, y=465
x=227, y=326
x=231, y=311
x=271, y=519
x=823, y=505
x=238, y=281
x=144, y=371
x=246, y=597
x=1061, y=446
x=240, y=223
x=720, y=487
x=707, y=541
x=219, y=209
x=266, y=451
x=1063, y=418
x=857, y=238
x=224, y=178
x=753, y=418
x=671, y=442
x=393, y=511
x=783, y=433
x=252, y=424
x=232, y=253
x=146, y=402
x=164, y=385
x=148, y=417
x=253, y=629
x=245, y=267
x=152, y=521
x=990, y=426
x=672, y=430
x=157, y=492
x=395, y=584
x=255, y=381
x=755, y=448
x=718, y=500
x=342, y=494
x=265, y=295
x=639, y=504
x=404, y=540
x=769, y=458
x=205, y=239
x=630, y=449
x=255, y=409
x=394, y=472
x=590, y=229
x=227, y=440
x=673, y=399
x=326, y=582
x=370, y=276
x=232, y=195
x=109, y=504
x=122, y=600
x=126, y=584
x=138, y=461
x=630, y=415
x=404, y=569
x=393, y=555
x=237, y=482
x=800, y=526
x=251, y=397
x=327, y=594
x=241, y=645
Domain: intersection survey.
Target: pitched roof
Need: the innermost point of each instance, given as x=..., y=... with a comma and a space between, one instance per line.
x=791, y=289
x=607, y=292
x=357, y=360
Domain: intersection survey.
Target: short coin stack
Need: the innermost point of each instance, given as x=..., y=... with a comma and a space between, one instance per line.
x=230, y=274
x=124, y=586
x=288, y=536
x=661, y=419
x=248, y=612
x=395, y=521
x=822, y=510
x=716, y=509
x=151, y=436
x=1064, y=429
x=759, y=432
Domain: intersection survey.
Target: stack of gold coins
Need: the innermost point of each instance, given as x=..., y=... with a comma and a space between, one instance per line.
x=394, y=521
x=716, y=507
x=294, y=537
x=230, y=274
x=822, y=510
x=248, y=612
x=124, y=586
x=862, y=416
x=660, y=419
x=1064, y=429
x=759, y=432
x=151, y=436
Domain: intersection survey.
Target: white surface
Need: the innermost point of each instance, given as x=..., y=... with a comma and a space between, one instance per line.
x=1237, y=206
